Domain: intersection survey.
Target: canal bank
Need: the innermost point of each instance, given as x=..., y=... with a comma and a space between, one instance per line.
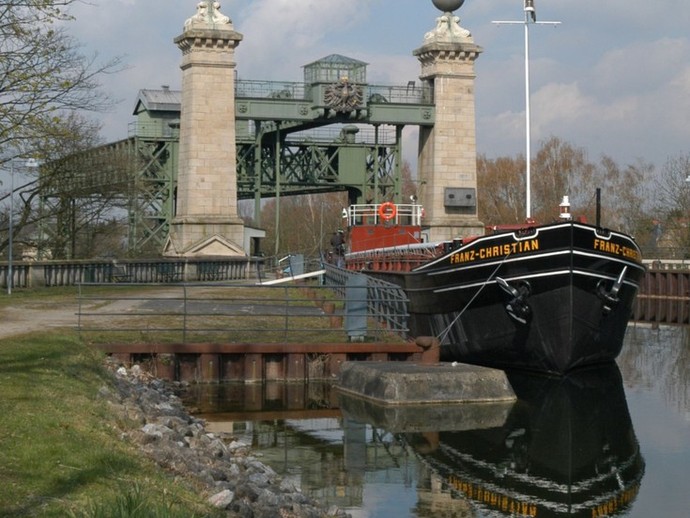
x=233, y=478
x=224, y=470
x=62, y=454
x=81, y=440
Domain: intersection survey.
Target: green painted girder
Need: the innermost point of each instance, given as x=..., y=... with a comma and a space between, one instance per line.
x=307, y=104
x=153, y=200
x=90, y=172
x=143, y=169
x=148, y=189
x=144, y=180
x=311, y=168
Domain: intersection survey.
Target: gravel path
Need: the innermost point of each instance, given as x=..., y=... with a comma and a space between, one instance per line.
x=18, y=320
x=37, y=315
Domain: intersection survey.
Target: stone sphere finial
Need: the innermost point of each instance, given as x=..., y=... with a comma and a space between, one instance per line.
x=448, y=6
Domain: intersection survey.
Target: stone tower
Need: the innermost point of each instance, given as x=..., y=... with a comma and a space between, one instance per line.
x=447, y=167
x=206, y=222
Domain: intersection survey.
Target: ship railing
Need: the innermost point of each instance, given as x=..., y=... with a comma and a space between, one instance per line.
x=372, y=241
x=428, y=250
x=396, y=258
x=377, y=213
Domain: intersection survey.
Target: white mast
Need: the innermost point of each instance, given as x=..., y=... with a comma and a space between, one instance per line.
x=530, y=18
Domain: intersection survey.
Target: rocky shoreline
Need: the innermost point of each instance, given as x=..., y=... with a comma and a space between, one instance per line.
x=234, y=479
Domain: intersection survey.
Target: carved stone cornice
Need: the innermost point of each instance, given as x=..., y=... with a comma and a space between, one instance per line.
x=448, y=51
x=448, y=59
x=208, y=39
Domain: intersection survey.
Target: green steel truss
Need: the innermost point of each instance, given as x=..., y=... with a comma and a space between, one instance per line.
x=284, y=147
x=152, y=204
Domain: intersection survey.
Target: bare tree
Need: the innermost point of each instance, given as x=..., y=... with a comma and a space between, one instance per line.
x=76, y=193
x=43, y=74
x=501, y=190
x=409, y=186
x=46, y=83
x=625, y=193
x=306, y=223
x=672, y=203
x=559, y=169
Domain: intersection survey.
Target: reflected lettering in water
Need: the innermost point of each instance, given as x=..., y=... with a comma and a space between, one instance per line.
x=566, y=449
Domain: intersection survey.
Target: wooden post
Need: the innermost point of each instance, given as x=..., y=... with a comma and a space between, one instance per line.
x=296, y=367
x=253, y=368
x=335, y=361
x=209, y=367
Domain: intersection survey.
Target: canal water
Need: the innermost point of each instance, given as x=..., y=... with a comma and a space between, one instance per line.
x=611, y=441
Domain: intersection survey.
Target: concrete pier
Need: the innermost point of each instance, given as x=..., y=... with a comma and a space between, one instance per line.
x=404, y=383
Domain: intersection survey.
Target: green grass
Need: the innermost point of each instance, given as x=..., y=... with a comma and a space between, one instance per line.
x=61, y=453
x=214, y=314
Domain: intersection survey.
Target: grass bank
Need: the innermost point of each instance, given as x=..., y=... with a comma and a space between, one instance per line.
x=40, y=297
x=60, y=448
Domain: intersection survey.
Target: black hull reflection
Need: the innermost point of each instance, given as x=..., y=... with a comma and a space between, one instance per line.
x=567, y=449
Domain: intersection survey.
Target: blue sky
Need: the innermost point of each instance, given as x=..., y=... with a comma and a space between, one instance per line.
x=614, y=78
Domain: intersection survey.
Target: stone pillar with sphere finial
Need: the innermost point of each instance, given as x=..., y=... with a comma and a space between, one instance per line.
x=447, y=167
x=206, y=221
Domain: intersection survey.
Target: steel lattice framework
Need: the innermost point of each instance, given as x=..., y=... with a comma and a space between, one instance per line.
x=289, y=141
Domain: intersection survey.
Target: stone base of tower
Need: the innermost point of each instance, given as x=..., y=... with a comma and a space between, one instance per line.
x=457, y=229
x=191, y=238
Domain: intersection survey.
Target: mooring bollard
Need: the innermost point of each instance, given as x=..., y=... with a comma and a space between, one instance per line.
x=432, y=349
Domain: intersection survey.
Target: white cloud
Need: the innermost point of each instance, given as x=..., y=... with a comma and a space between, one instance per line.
x=639, y=66
x=614, y=77
x=283, y=35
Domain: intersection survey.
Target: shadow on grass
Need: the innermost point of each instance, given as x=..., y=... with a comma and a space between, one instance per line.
x=69, y=480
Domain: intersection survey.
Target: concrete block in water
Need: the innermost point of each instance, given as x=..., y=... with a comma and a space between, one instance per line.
x=404, y=383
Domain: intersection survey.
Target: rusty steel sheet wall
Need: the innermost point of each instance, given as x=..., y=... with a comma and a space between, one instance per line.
x=664, y=297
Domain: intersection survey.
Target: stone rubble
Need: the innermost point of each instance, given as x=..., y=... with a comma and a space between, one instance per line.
x=233, y=478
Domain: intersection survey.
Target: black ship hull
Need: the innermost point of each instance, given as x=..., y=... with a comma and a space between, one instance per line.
x=551, y=298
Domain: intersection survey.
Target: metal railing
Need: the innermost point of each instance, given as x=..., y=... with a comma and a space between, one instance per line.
x=155, y=129
x=285, y=90
x=28, y=274
x=238, y=313
x=667, y=264
x=375, y=213
x=387, y=303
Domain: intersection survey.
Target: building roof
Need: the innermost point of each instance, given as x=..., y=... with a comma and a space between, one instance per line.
x=337, y=59
x=163, y=100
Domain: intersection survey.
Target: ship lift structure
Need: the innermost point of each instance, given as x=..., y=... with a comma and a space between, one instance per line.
x=332, y=132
